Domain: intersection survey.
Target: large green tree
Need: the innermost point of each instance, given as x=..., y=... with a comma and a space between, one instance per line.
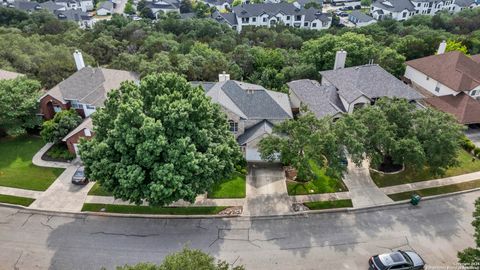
x=160, y=141
x=63, y=122
x=187, y=259
x=302, y=142
x=18, y=104
x=471, y=256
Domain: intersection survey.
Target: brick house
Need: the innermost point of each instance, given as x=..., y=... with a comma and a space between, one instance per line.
x=85, y=90
x=84, y=130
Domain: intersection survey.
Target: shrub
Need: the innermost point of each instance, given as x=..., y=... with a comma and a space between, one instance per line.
x=60, y=152
x=61, y=124
x=468, y=145
x=476, y=152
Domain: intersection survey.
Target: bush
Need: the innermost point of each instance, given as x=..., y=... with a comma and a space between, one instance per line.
x=468, y=145
x=62, y=123
x=60, y=152
x=476, y=152
x=241, y=169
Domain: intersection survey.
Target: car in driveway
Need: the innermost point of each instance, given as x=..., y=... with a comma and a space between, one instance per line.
x=79, y=177
x=397, y=260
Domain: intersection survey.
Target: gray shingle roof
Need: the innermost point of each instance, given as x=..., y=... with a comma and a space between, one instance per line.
x=312, y=14
x=362, y=17
x=229, y=18
x=320, y=99
x=464, y=3
x=371, y=81
x=51, y=6
x=90, y=85
x=106, y=5
x=397, y=5
x=249, y=10
x=256, y=131
x=72, y=15
x=26, y=5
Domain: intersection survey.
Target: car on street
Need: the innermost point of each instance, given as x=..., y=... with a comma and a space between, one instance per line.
x=343, y=14
x=79, y=177
x=397, y=260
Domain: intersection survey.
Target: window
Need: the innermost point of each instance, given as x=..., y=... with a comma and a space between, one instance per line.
x=437, y=89
x=418, y=5
x=474, y=92
x=314, y=24
x=404, y=14
x=245, y=20
x=87, y=132
x=298, y=18
x=254, y=19
x=75, y=104
x=305, y=24
x=264, y=19
x=288, y=17
x=233, y=126
x=90, y=107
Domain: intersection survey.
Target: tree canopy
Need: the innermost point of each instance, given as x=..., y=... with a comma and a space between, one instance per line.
x=18, y=104
x=63, y=122
x=160, y=141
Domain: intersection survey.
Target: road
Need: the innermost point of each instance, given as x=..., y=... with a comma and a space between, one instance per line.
x=436, y=229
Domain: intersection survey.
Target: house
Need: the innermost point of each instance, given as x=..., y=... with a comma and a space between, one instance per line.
x=84, y=91
x=83, y=19
x=463, y=107
x=161, y=7
x=9, y=75
x=26, y=6
x=342, y=90
x=83, y=5
x=105, y=8
x=84, y=130
x=360, y=19
x=219, y=4
x=395, y=9
x=227, y=18
x=445, y=73
x=252, y=110
x=403, y=9
x=52, y=6
x=269, y=14
x=302, y=3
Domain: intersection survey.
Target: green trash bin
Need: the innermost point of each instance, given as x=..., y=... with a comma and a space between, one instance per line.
x=415, y=199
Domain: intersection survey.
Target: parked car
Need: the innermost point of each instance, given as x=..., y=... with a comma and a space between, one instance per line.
x=343, y=8
x=358, y=7
x=78, y=177
x=402, y=260
x=343, y=14
x=349, y=8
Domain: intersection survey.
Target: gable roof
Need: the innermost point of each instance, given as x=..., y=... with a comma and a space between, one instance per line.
x=271, y=9
x=320, y=99
x=453, y=69
x=229, y=18
x=256, y=131
x=465, y=108
x=396, y=5
x=26, y=5
x=51, y=6
x=87, y=123
x=106, y=5
x=75, y=15
x=361, y=17
x=464, y=3
x=90, y=85
x=250, y=101
x=371, y=81
x=8, y=75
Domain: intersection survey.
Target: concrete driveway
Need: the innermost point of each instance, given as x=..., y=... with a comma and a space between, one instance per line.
x=266, y=191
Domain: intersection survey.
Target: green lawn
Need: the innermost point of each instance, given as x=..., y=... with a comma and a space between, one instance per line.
x=16, y=200
x=328, y=204
x=230, y=188
x=411, y=176
x=436, y=191
x=16, y=168
x=321, y=184
x=97, y=190
x=133, y=209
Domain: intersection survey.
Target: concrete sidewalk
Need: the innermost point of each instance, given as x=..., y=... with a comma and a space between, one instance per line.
x=266, y=191
x=321, y=197
x=432, y=183
x=20, y=192
x=37, y=159
x=362, y=189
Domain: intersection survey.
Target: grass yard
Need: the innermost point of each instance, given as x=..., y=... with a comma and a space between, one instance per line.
x=436, y=191
x=133, y=209
x=16, y=200
x=16, y=168
x=411, y=176
x=97, y=190
x=233, y=187
x=328, y=204
x=321, y=184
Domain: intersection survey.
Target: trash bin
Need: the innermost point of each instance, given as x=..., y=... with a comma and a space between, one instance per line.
x=415, y=199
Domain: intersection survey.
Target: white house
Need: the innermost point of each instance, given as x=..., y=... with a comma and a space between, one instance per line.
x=105, y=8
x=84, y=5
x=83, y=19
x=163, y=6
x=269, y=14
x=360, y=19
x=445, y=73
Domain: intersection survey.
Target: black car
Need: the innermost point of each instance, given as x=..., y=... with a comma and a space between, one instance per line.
x=401, y=260
x=79, y=177
x=343, y=14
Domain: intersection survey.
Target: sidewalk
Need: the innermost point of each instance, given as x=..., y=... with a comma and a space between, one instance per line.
x=362, y=189
x=37, y=159
x=20, y=192
x=321, y=197
x=432, y=183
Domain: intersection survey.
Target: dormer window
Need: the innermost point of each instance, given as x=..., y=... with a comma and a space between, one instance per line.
x=233, y=126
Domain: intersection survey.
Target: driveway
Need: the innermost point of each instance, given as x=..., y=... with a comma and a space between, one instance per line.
x=361, y=187
x=266, y=191
x=474, y=135
x=437, y=229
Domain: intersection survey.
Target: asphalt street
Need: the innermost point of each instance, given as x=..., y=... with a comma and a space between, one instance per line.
x=436, y=229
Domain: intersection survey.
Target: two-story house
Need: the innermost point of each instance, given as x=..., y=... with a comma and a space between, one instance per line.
x=252, y=110
x=342, y=90
x=84, y=91
x=270, y=14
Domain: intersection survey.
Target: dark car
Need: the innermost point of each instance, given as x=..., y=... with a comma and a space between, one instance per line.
x=401, y=260
x=349, y=8
x=358, y=7
x=343, y=14
x=79, y=177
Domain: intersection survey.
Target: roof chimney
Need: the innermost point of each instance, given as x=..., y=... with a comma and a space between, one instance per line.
x=340, y=58
x=442, y=47
x=222, y=77
x=78, y=60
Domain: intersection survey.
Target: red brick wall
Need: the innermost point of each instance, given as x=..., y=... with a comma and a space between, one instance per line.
x=75, y=138
x=46, y=110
